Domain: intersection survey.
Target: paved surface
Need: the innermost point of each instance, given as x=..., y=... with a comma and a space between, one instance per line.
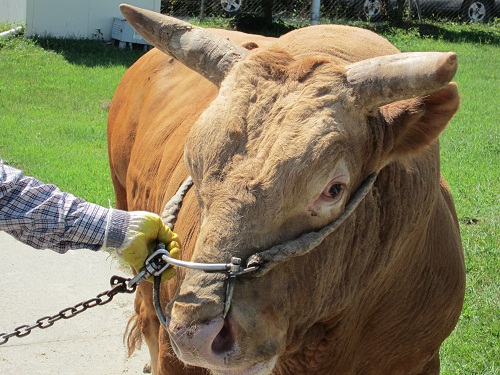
x=37, y=283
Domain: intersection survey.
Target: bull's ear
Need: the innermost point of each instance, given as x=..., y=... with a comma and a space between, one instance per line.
x=412, y=92
x=416, y=123
x=195, y=47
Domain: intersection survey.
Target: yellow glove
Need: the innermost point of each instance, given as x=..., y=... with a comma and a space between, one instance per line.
x=144, y=233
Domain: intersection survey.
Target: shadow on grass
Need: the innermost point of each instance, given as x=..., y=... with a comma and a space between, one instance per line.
x=89, y=52
x=97, y=53
x=460, y=36
x=455, y=33
x=255, y=24
x=488, y=33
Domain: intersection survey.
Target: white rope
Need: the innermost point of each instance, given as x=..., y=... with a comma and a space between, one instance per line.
x=173, y=206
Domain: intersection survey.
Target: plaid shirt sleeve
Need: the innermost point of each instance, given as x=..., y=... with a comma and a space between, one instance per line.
x=42, y=216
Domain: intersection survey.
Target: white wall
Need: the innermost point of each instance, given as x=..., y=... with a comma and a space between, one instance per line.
x=13, y=11
x=77, y=18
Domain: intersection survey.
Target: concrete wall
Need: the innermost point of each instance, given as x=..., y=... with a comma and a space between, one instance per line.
x=13, y=11
x=77, y=18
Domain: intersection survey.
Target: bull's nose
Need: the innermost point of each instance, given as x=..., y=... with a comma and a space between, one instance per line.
x=195, y=342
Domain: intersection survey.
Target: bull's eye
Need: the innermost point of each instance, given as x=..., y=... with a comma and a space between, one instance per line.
x=333, y=192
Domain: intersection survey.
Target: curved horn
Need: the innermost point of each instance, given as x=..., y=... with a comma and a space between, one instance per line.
x=198, y=49
x=386, y=79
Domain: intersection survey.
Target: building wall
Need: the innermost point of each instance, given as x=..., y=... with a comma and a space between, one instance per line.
x=77, y=18
x=13, y=11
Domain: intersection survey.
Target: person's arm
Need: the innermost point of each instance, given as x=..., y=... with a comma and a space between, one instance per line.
x=42, y=216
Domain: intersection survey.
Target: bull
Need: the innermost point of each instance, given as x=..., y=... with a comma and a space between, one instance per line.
x=278, y=135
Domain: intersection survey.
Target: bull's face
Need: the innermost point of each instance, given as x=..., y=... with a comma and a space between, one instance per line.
x=277, y=154
x=270, y=162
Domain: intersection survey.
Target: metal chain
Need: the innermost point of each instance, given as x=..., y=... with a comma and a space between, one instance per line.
x=118, y=285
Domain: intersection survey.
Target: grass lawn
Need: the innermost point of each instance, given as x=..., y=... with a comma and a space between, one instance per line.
x=54, y=96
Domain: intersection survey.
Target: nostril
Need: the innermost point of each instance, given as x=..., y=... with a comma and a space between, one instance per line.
x=224, y=340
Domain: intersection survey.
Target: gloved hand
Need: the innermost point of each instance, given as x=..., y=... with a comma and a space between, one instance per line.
x=144, y=233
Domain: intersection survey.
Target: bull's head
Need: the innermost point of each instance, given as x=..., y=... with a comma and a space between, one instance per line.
x=278, y=153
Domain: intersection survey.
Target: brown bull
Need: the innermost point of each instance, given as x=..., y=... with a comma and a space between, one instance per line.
x=278, y=135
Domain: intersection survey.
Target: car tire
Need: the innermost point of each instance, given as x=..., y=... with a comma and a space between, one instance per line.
x=231, y=6
x=371, y=10
x=477, y=10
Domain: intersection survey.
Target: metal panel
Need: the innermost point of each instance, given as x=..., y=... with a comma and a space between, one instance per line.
x=124, y=32
x=91, y=19
x=13, y=11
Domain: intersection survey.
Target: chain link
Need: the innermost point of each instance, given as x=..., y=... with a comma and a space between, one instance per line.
x=118, y=285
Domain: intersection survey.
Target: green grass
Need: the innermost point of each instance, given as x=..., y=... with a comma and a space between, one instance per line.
x=53, y=107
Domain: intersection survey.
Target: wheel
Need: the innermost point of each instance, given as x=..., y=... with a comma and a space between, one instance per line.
x=372, y=9
x=231, y=6
x=477, y=10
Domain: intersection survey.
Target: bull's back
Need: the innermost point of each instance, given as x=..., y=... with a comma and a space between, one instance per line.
x=343, y=44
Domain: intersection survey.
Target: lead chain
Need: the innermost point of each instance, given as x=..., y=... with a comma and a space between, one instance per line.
x=118, y=285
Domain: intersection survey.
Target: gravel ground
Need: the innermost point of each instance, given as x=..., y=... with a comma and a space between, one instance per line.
x=38, y=283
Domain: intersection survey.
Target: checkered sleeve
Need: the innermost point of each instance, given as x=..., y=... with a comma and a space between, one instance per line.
x=42, y=216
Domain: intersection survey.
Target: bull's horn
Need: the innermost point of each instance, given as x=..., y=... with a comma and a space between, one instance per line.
x=386, y=79
x=198, y=49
